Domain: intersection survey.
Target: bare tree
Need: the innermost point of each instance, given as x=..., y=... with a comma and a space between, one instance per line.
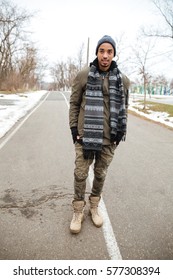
x=63, y=73
x=11, y=35
x=122, y=52
x=80, y=57
x=165, y=9
x=27, y=65
x=72, y=70
x=159, y=83
x=142, y=51
x=58, y=73
x=18, y=57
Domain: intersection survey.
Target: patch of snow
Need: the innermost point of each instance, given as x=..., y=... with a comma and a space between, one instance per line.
x=161, y=117
x=15, y=106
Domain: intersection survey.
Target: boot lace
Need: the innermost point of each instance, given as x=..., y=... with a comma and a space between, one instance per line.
x=77, y=217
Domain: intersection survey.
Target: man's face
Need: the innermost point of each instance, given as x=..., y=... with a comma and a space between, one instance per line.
x=105, y=55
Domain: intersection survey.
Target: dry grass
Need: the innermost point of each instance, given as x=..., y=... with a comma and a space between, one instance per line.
x=156, y=107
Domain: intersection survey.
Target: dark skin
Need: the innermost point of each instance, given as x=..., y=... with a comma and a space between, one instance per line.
x=105, y=55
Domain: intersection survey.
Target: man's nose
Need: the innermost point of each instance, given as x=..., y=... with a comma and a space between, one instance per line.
x=105, y=54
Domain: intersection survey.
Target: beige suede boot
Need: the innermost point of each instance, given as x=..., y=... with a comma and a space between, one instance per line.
x=95, y=216
x=78, y=216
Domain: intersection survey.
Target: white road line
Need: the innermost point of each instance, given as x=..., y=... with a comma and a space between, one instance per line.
x=109, y=236
x=66, y=101
x=22, y=122
x=111, y=243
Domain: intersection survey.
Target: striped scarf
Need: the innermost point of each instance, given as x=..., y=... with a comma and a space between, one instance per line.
x=94, y=108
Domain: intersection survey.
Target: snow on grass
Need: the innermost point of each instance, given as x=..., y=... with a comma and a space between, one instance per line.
x=161, y=117
x=15, y=106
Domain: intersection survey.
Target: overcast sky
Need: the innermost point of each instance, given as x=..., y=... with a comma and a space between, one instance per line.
x=61, y=26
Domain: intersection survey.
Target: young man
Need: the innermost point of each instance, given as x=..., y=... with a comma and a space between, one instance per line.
x=98, y=120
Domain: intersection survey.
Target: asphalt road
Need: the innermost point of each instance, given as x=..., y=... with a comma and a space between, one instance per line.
x=36, y=190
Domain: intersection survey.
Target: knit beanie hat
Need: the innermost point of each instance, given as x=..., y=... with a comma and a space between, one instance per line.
x=106, y=39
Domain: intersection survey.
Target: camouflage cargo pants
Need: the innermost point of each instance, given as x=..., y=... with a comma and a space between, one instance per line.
x=100, y=170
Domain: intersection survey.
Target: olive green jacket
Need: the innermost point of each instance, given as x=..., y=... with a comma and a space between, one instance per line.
x=77, y=103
